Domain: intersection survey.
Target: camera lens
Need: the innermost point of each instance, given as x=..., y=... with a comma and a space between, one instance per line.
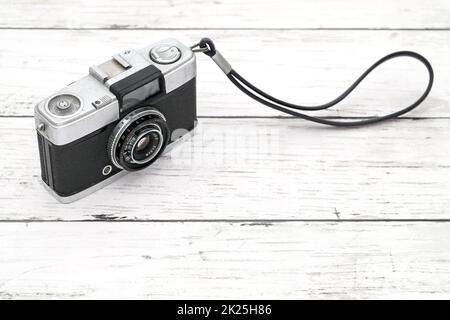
x=146, y=146
x=138, y=139
x=143, y=143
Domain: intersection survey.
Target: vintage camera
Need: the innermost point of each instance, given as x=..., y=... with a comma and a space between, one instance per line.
x=121, y=117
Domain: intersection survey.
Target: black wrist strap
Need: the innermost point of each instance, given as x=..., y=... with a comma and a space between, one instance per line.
x=207, y=46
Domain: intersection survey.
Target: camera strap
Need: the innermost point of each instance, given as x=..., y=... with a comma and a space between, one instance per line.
x=207, y=46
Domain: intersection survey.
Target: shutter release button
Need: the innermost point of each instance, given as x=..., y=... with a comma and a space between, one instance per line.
x=165, y=54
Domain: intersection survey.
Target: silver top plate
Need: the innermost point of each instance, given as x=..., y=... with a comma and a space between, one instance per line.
x=91, y=116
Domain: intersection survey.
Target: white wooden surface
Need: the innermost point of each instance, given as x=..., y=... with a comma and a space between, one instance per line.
x=229, y=14
x=394, y=171
x=227, y=260
x=254, y=205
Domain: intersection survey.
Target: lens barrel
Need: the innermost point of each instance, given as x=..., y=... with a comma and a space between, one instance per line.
x=138, y=139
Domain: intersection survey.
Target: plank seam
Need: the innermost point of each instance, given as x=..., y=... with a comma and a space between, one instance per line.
x=267, y=117
x=222, y=28
x=232, y=221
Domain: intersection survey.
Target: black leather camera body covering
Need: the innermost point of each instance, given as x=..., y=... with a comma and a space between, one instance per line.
x=71, y=168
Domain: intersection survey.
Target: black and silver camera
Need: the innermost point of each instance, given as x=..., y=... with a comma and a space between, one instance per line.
x=121, y=117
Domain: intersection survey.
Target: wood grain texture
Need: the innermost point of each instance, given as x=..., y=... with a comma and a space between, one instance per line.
x=253, y=206
x=222, y=260
x=309, y=67
x=225, y=14
x=248, y=168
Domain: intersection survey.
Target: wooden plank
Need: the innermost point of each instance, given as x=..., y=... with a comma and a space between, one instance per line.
x=250, y=169
x=307, y=67
x=231, y=13
x=222, y=260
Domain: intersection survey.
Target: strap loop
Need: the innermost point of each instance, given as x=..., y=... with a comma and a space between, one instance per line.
x=209, y=45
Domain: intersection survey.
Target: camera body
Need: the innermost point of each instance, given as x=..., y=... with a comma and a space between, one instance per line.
x=121, y=117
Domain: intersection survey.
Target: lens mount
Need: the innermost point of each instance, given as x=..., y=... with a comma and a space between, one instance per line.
x=138, y=139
